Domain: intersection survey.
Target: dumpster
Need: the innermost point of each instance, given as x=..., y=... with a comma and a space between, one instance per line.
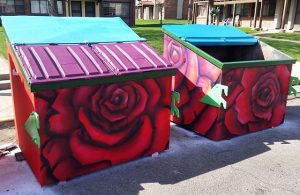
x=228, y=82
x=88, y=94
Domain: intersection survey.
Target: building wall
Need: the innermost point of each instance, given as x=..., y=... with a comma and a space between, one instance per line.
x=269, y=21
x=186, y=9
x=67, y=8
x=131, y=19
x=297, y=18
x=99, y=9
x=170, y=9
x=27, y=9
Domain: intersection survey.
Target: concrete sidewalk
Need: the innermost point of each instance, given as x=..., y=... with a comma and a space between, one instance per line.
x=296, y=70
x=275, y=39
x=266, y=162
x=6, y=105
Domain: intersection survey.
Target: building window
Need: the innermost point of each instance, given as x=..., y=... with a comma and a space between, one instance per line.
x=12, y=7
x=60, y=10
x=90, y=9
x=39, y=7
x=244, y=10
x=76, y=8
x=269, y=8
x=116, y=9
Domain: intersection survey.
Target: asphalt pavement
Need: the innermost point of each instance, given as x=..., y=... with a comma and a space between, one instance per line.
x=265, y=162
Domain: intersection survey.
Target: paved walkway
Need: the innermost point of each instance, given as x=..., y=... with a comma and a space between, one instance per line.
x=6, y=105
x=275, y=39
x=4, y=67
x=266, y=162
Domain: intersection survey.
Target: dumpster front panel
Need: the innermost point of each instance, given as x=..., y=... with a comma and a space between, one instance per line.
x=93, y=127
x=195, y=77
x=256, y=100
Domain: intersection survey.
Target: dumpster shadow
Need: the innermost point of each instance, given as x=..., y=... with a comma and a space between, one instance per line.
x=189, y=156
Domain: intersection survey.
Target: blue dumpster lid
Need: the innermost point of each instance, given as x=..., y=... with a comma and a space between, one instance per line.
x=209, y=35
x=64, y=30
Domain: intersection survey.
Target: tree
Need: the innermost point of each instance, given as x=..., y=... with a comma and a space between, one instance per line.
x=214, y=13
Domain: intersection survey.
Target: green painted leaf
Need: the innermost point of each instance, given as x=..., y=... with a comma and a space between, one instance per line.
x=293, y=81
x=214, y=96
x=175, y=99
x=32, y=125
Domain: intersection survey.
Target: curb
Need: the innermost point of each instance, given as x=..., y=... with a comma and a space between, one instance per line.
x=6, y=120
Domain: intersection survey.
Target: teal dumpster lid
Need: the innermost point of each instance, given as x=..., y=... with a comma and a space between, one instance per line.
x=209, y=35
x=66, y=30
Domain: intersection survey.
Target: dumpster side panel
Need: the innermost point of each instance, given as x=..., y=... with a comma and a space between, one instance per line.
x=196, y=77
x=23, y=106
x=256, y=99
x=92, y=127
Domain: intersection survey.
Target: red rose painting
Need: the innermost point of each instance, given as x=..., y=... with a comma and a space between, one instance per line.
x=194, y=79
x=259, y=99
x=103, y=125
x=256, y=97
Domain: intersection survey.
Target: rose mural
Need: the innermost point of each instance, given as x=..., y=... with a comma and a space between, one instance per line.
x=194, y=79
x=256, y=97
x=257, y=100
x=102, y=125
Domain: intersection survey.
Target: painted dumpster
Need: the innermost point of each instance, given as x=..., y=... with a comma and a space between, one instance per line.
x=228, y=82
x=87, y=97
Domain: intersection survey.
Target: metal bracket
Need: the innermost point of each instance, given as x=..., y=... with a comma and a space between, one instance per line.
x=293, y=81
x=15, y=72
x=175, y=99
x=32, y=125
x=214, y=96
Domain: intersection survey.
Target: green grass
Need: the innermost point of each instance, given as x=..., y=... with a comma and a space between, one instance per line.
x=289, y=36
x=247, y=30
x=151, y=30
x=2, y=43
x=291, y=49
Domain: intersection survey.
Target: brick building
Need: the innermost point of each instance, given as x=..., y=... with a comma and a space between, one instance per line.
x=176, y=9
x=79, y=8
x=172, y=9
x=262, y=14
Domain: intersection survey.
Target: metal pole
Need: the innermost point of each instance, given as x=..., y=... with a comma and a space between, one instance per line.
x=233, y=17
x=207, y=15
x=193, y=13
x=260, y=14
x=255, y=13
x=283, y=14
x=189, y=11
